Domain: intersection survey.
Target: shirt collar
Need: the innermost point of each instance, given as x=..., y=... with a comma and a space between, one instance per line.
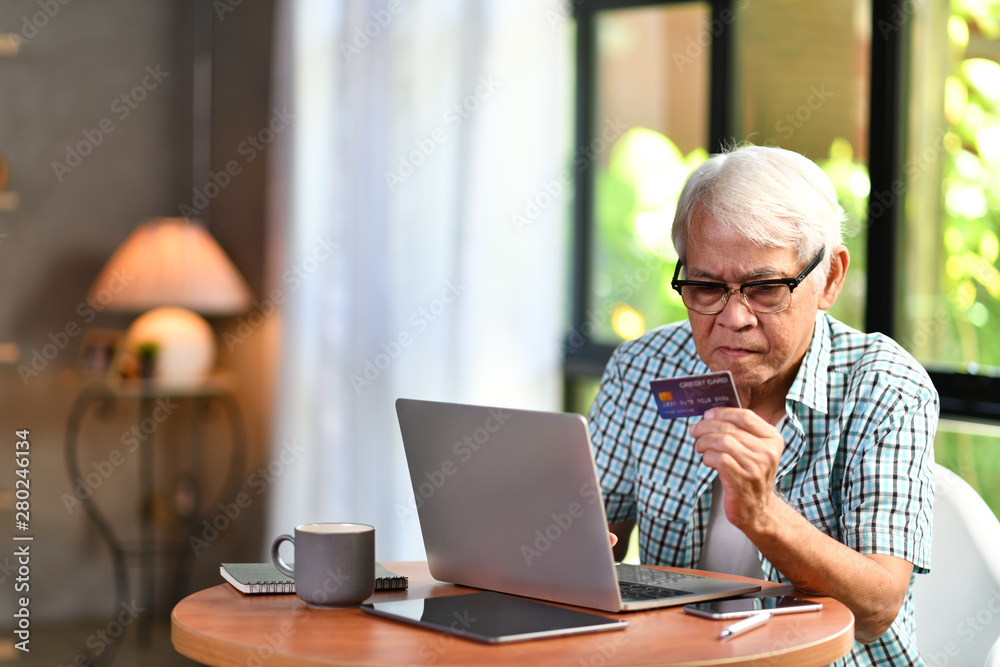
x=810, y=385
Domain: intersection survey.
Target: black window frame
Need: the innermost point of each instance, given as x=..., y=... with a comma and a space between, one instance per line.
x=963, y=395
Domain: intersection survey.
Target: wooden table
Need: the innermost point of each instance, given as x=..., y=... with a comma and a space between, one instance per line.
x=220, y=626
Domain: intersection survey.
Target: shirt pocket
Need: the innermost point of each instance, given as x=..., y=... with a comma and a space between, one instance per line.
x=666, y=515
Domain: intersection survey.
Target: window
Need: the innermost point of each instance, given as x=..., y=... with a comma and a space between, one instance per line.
x=644, y=71
x=801, y=81
x=948, y=294
x=898, y=102
x=949, y=287
x=651, y=73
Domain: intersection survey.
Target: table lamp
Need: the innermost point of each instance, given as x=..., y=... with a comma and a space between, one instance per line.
x=174, y=269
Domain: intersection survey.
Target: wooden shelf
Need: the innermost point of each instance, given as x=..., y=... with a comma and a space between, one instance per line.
x=10, y=44
x=9, y=201
x=7, y=651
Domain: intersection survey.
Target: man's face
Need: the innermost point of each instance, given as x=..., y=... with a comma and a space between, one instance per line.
x=763, y=351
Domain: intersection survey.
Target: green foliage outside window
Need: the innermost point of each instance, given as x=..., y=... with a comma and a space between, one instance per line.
x=970, y=195
x=637, y=192
x=636, y=196
x=971, y=186
x=951, y=317
x=634, y=256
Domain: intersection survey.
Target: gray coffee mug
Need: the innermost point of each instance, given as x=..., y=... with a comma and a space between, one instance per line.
x=334, y=563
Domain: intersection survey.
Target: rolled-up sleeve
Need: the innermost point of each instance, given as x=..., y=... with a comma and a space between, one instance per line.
x=889, y=489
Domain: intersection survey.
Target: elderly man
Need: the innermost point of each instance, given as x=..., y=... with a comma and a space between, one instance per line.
x=824, y=478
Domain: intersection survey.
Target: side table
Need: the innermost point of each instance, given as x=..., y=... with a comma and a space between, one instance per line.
x=151, y=399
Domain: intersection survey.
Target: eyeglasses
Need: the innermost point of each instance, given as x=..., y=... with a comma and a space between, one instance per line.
x=760, y=296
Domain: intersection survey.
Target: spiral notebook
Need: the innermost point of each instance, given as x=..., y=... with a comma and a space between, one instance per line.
x=265, y=579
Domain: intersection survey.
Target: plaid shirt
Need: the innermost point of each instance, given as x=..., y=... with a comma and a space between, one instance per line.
x=857, y=461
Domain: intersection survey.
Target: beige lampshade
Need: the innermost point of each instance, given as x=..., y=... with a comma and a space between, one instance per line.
x=171, y=262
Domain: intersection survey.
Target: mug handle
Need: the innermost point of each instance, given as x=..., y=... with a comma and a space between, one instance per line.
x=276, y=558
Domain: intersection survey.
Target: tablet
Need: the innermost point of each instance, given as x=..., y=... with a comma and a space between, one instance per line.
x=493, y=618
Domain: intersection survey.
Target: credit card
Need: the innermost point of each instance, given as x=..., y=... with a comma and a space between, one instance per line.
x=692, y=395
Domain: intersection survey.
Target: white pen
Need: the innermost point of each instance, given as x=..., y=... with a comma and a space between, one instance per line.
x=746, y=625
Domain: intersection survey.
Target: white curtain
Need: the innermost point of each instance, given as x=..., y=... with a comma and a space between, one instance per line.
x=421, y=218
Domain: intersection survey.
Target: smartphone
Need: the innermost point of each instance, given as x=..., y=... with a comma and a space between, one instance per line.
x=742, y=607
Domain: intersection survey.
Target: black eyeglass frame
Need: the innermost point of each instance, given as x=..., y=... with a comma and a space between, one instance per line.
x=791, y=282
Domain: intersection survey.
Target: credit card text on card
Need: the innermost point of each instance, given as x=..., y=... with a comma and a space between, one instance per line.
x=692, y=395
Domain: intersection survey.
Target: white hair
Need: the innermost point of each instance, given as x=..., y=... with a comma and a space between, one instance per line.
x=773, y=197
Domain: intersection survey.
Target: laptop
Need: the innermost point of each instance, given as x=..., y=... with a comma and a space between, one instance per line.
x=508, y=501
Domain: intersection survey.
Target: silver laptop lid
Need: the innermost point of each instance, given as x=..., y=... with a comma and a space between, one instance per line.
x=508, y=501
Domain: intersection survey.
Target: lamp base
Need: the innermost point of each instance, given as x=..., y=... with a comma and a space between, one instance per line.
x=172, y=346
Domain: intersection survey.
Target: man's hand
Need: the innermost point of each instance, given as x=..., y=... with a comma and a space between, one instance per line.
x=620, y=534
x=745, y=450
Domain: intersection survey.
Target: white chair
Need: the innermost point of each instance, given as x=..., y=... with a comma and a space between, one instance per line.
x=993, y=659
x=957, y=605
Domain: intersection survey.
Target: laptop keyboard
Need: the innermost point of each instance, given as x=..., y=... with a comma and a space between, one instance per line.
x=638, y=583
x=639, y=592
